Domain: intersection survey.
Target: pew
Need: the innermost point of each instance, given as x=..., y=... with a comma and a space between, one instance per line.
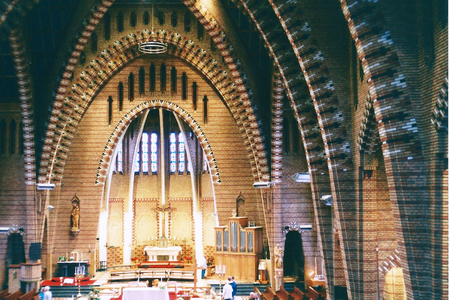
x=312, y=293
x=297, y=294
x=282, y=294
x=13, y=296
x=269, y=294
x=28, y=296
x=3, y=294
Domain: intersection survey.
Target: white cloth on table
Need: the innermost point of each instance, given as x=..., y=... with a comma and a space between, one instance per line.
x=145, y=293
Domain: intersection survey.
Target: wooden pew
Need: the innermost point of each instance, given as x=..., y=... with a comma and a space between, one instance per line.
x=311, y=293
x=28, y=296
x=282, y=294
x=297, y=294
x=3, y=294
x=269, y=294
x=13, y=296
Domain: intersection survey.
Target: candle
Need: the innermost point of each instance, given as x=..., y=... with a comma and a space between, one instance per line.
x=218, y=269
x=224, y=269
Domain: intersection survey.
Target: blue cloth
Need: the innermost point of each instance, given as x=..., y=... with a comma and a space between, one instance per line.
x=234, y=288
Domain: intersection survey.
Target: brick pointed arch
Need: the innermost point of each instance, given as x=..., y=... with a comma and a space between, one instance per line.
x=123, y=124
x=68, y=114
x=398, y=132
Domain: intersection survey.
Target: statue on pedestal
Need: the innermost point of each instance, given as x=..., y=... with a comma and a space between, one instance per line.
x=75, y=216
x=278, y=257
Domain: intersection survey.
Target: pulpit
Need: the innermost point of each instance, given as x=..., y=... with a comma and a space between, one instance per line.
x=239, y=247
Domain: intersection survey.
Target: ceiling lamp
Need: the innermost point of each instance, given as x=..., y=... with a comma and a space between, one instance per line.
x=154, y=45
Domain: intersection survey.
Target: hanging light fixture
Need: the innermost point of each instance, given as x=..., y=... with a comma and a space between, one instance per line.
x=154, y=45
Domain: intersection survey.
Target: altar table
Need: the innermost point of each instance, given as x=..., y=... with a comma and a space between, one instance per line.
x=154, y=252
x=145, y=293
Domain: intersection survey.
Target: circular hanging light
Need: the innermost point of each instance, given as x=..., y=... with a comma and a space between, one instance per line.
x=154, y=45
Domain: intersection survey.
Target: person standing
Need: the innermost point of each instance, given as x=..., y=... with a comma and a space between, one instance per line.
x=227, y=289
x=202, y=263
x=234, y=287
x=41, y=294
x=47, y=294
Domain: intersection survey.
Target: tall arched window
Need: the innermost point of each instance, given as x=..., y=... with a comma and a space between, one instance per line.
x=174, y=19
x=141, y=81
x=146, y=18
x=152, y=78
x=286, y=135
x=2, y=137
x=173, y=75
x=200, y=30
x=145, y=154
x=12, y=137
x=137, y=161
x=154, y=153
x=133, y=20
x=120, y=96
x=93, y=42
x=172, y=152
x=119, y=159
x=107, y=26
x=120, y=22
x=161, y=18
x=110, y=110
x=184, y=85
x=181, y=154
x=21, y=138
x=187, y=22
x=163, y=78
x=131, y=87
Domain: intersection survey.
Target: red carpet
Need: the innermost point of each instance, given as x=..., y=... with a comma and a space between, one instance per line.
x=56, y=282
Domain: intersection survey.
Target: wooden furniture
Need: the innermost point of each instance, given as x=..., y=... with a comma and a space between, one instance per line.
x=282, y=294
x=145, y=293
x=13, y=296
x=239, y=248
x=28, y=296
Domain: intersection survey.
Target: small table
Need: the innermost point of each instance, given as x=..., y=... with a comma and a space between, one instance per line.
x=145, y=293
x=67, y=268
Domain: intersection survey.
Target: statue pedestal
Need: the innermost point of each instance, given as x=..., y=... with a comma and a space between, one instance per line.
x=279, y=277
x=13, y=278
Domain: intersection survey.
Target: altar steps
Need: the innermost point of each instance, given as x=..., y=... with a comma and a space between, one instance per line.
x=243, y=289
x=68, y=291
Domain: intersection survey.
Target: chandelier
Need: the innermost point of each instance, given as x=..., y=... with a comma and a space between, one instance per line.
x=154, y=45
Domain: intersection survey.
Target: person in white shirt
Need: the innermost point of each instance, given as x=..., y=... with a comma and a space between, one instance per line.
x=202, y=263
x=227, y=290
x=47, y=294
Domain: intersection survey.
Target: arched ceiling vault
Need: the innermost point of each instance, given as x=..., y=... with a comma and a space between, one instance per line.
x=67, y=115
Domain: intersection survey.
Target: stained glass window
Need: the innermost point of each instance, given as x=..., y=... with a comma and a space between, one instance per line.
x=172, y=152
x=154, y=153
x=137, y=162
x=145, y=155
x=120, y=157
x=181, y=154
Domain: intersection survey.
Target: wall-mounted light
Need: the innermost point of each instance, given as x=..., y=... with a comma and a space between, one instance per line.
x=301, y=177
x=45, y=186
x=262, y=184
x=327, y=199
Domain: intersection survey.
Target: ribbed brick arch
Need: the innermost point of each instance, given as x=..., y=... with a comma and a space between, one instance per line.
x=67, y=116
x=398, y=132
x=321, y=124
x=124, y=123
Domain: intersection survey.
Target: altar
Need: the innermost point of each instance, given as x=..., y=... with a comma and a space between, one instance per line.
x=162, y=253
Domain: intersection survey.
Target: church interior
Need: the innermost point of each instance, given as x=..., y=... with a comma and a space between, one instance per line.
x=299, y=146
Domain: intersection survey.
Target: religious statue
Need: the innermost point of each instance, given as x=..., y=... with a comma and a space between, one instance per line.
x=278, y=257
x=75, y=216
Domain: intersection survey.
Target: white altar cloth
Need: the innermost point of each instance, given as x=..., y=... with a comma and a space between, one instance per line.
x=153, y=252
x=145, y=293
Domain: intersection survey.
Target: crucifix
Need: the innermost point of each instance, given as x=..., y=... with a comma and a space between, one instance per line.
x=195, y=269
